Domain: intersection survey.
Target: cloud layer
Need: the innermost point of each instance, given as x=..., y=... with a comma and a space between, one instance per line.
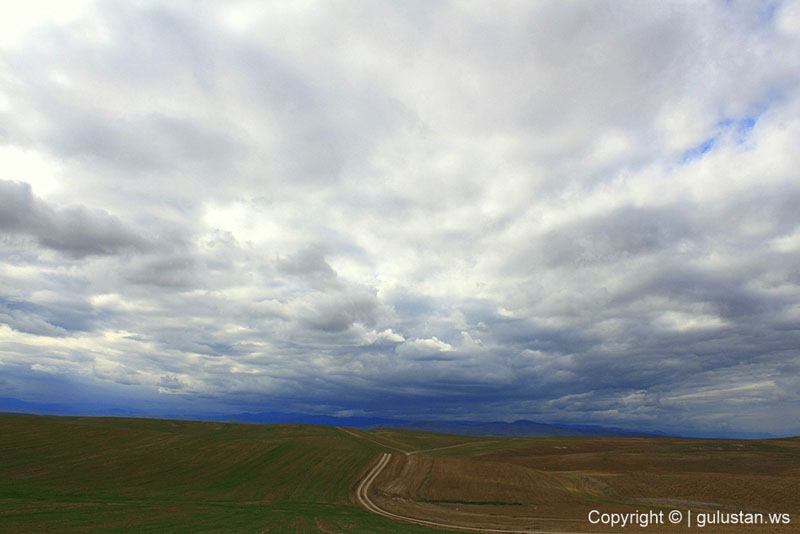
x=577, y=212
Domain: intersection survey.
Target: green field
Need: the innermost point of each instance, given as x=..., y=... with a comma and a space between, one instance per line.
x=115, y=475
x=109, y=475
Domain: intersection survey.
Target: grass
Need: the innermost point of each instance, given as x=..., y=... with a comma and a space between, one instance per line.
x=113, y=475
x=413, y=440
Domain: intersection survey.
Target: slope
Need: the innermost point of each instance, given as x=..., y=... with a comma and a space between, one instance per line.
x=115, y=475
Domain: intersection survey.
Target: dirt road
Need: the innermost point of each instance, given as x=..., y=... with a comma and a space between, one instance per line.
x=363, y=498
x=373, y=440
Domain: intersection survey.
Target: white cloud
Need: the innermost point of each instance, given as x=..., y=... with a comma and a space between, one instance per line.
x=19, y=19
x=337, y=202
x=423, y=348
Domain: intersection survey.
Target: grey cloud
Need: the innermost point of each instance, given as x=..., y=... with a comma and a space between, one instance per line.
x=166, y=270
x=729, y=297
x=31, y=324
x=52, y=317
x=75, y=230
x=320, y=112
x=118, y=374
x=142, y=48
x=146, y=144
x=336, y=311
x=612, y=237
x=581, y=211
x=159, y=41
x=310, y=266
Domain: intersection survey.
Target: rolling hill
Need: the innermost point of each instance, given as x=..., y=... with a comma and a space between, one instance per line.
x=121, y=475
x=104, y=475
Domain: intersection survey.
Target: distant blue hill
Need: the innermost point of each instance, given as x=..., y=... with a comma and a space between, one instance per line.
x=8, y=404
x=516, y=429
x=520, y=428
x=469, y=428
x=308, y=419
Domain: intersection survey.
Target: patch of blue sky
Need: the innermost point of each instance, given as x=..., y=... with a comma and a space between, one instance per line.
x=763, y=12
x=742, y=128
x=737, y=125
x=697, y=151
x=737, y=130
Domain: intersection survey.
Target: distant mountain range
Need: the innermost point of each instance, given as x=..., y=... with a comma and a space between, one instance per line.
x=520, y=428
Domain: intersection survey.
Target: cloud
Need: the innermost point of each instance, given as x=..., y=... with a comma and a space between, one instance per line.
x=146, y=143
x=425, y=349
x=310, y=266
x=334, y=312
x=579, y=212
x=75, y=230
x=170, y=270
x=31, y=324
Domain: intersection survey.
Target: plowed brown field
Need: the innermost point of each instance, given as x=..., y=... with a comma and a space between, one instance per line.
x=551, y=484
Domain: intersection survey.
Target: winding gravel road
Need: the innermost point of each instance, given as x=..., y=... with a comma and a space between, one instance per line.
x=363, y=498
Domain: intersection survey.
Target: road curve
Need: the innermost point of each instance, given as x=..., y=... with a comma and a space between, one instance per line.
x=362, y=496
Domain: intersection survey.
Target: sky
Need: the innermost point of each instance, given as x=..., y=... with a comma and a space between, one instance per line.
x=575, y=212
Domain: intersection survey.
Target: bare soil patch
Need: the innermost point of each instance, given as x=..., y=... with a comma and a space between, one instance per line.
x=551, y=484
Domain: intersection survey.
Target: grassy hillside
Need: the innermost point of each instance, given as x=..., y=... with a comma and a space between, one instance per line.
x=112, y=475
x=109, y=475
